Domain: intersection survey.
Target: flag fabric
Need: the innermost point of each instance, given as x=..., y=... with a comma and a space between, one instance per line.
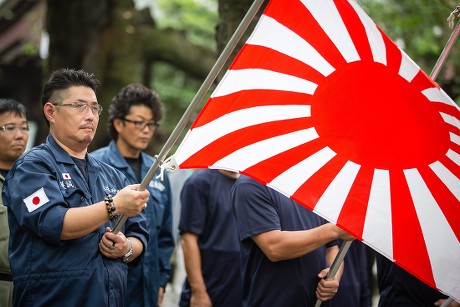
x=36, y=200
x=322, y=106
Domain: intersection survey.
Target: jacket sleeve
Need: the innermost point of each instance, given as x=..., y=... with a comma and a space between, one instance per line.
x=166, y=240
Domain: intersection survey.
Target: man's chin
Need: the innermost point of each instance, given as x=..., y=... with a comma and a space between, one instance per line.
x=142, y=146
x=87, y=139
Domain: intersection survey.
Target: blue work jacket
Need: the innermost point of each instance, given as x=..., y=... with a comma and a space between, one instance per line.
x=145, y=280
x=47, y=271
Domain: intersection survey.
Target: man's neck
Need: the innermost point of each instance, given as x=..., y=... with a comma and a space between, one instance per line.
x=128, y=151
x=3, y=172
x=78, y=152
x=6, y=165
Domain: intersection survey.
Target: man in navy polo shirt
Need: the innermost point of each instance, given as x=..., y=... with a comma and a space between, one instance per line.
x=210, y=241
x=285, y=248
x=398, y=288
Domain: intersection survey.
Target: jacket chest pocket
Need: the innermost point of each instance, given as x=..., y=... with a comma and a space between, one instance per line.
x=75, y=198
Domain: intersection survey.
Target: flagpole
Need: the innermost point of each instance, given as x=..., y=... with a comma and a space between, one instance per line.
x=445, y=52
x=437, y=67
x=236, y=37
x=434, y=74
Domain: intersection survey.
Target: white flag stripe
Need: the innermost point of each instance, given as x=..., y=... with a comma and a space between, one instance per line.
x=295, y=176
x=331, y=202
x=334, y=27
x=455, y=157
x=286, y=41
x=408, y=69
x=454, y=138
x=435, y=95
x=436, y=231
x=373, y=34
x=262, y=79
x=377, y=226
x=447, y=177
x=450, y=119
x=257, y=152
x=450, y=101
x=230, y=122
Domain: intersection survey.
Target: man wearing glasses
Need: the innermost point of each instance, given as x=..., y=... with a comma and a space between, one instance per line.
x=62, y=205
x=14, y=133
x=133, y=118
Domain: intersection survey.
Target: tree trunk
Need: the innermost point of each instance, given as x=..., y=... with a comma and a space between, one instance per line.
x=231, y=13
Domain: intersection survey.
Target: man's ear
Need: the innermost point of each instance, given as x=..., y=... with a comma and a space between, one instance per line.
x=48, y=111
x=118, y=124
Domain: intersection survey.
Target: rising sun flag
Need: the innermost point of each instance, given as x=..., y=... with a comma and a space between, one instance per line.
x=322, y=106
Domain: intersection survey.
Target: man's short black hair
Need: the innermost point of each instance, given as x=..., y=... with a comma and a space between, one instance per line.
x=132, y=95
x=8, y=105
x=65, y=78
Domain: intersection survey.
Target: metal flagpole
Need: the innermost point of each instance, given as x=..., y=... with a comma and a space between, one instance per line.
x=196, y=100
x=434, y=74
x=450, y=43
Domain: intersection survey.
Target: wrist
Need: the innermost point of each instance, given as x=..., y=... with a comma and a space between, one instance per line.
x=198, y=290
x=110, y=206
x=130, y=251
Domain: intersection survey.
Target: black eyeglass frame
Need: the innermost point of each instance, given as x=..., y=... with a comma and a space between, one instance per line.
x=140, y=125
x=95, y=108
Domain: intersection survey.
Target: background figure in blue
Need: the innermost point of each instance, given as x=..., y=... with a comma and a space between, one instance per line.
x=62, y=205
x=355, y=285
x=134, y=115
x=14, y=134
x=285, y=248
x=398, y=288
x=210, y=242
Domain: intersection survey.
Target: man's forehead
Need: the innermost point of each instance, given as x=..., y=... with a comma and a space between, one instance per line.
x=78, y=93
x=11, y=116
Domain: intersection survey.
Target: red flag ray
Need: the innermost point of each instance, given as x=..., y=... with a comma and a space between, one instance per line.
x=270, y=168
x=322, y=106
x=288, y=43
x=260, y=136
x=436, y=231
x=334, y=196
x=354, y=210
x=277, y=61
x=248, y=99
x=407, y=232
x=312, y=189
x=445, y=199
x=394, y=56
x=304, y=25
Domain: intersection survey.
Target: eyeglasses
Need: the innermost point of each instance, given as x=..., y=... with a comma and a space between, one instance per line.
x=12, y=129
x=140, y=125
x=81, y=107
